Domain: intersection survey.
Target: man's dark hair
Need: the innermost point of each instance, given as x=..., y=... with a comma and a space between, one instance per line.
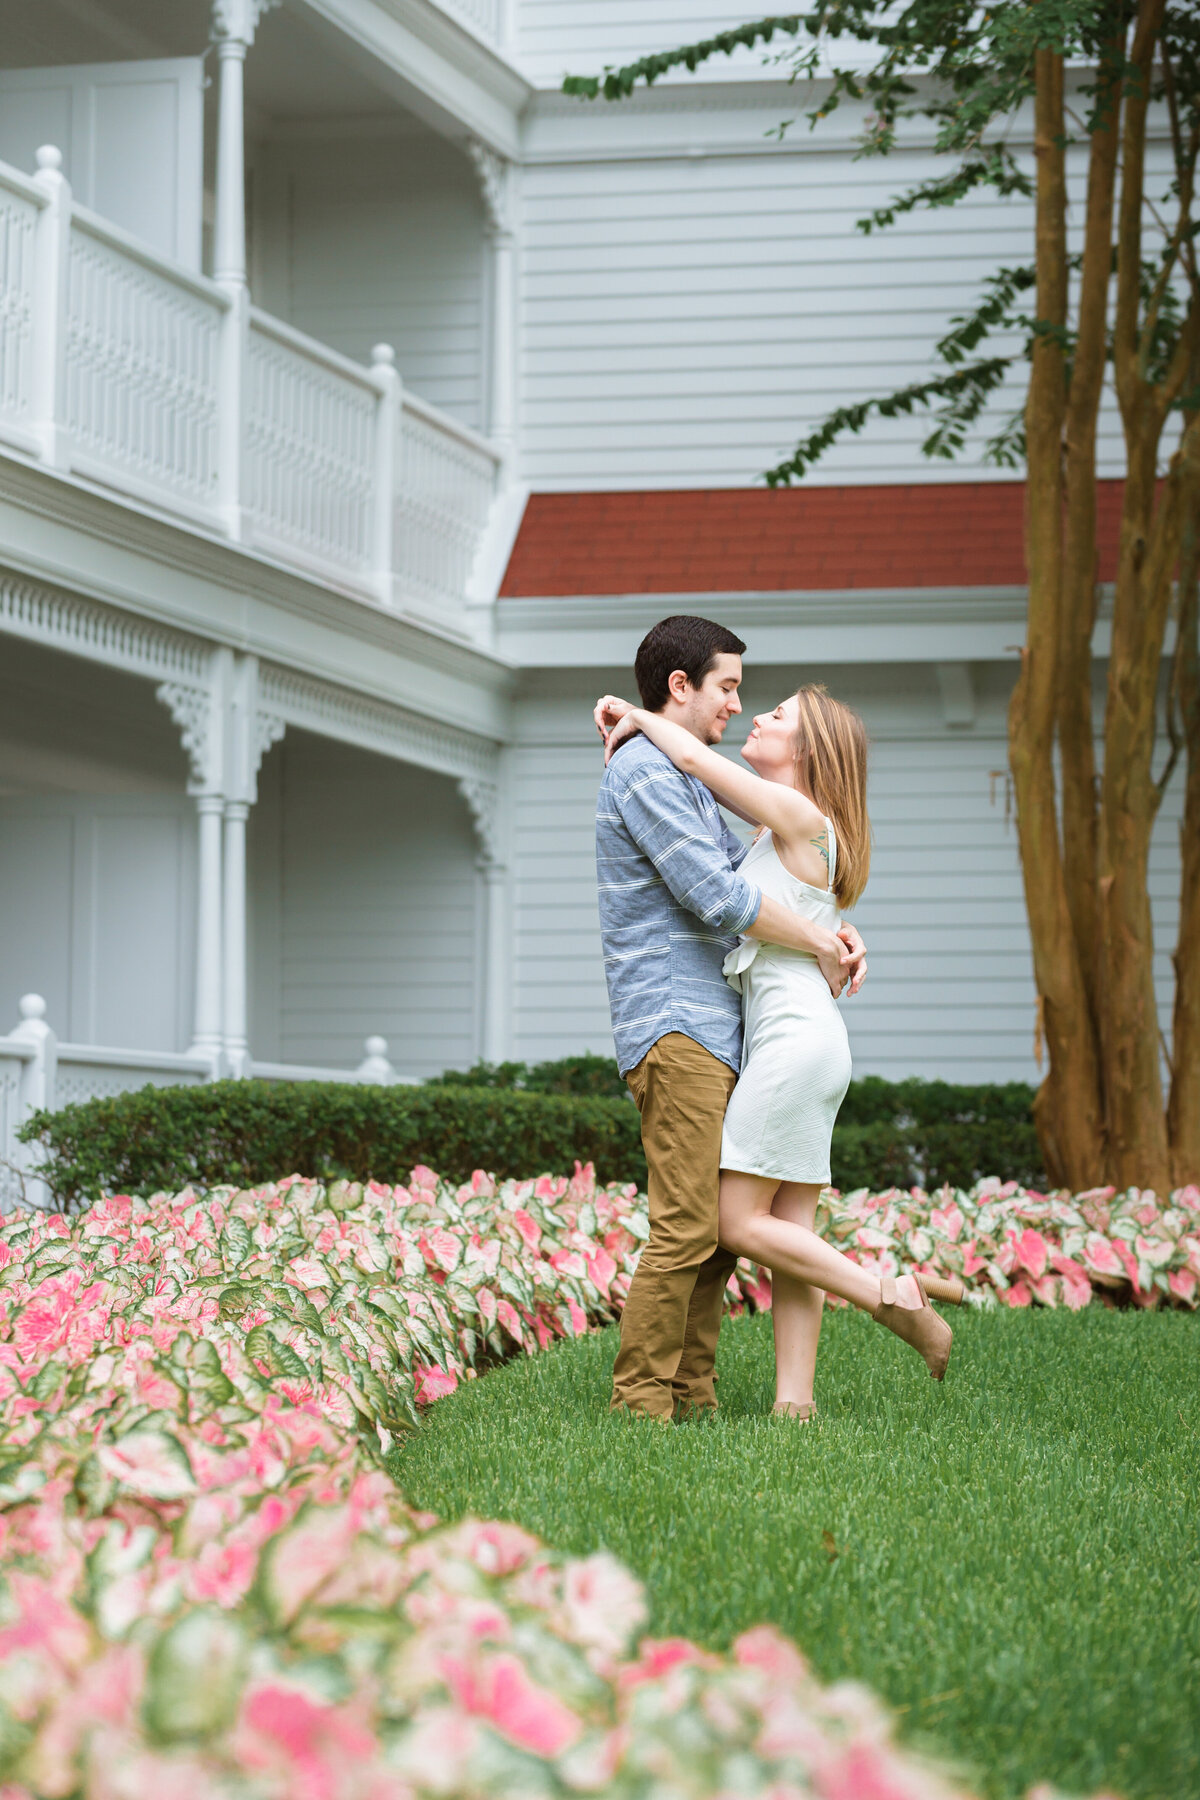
x=682, y=642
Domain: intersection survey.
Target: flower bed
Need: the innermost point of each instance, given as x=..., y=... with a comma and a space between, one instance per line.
x=1019, y=1247
x=214, y=1591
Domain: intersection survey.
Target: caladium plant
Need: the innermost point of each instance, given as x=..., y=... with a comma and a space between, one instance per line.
x=211, y=1589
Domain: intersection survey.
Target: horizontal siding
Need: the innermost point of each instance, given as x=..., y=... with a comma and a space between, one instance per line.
x=365, y=897
x=686, y=319
x=367, y=242
x=559, y=36
x=950, y=990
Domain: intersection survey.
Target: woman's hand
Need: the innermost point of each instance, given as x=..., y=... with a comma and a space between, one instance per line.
x=627, y=726
x=857, y=967
x=833, y=960
x=608, y=711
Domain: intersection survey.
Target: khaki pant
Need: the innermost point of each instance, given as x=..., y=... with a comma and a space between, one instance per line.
x=673, y=1314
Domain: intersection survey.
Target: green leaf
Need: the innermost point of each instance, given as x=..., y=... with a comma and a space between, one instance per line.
x=93, y=1487
x=195, y=1677
x=258, y=1345
x=47, y=1381
x=236, y=1243
x=15, y=1738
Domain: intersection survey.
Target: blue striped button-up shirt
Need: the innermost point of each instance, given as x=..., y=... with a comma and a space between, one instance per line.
x=671, y=906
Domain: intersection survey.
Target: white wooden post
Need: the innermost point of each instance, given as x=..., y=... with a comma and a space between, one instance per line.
x=206, y=1027
x=199, y=712
x=495, y=174
x=387, y=421
x=234, y=23
x=237, y=1046
x=52, y=249
x=502, y=423
x=241, y=764
x=486, y=802
x=497, y=1033
x=375, y=1065
x=37, y=1091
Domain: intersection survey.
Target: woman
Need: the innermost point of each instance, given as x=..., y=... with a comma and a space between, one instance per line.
x=808, y=793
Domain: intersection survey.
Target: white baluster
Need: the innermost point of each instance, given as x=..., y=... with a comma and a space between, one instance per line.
x=52, y=249
x=37, y=1092
x=387, y=418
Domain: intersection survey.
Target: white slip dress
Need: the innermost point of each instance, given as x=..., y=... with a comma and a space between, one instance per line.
x=795, y=1053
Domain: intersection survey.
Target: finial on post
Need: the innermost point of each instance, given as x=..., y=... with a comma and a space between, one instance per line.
x=375, y=1065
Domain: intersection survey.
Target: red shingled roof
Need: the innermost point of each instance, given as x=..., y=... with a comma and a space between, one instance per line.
x=745, y=540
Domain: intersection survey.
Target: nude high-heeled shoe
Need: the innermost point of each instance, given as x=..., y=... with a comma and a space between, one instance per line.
x=947, y=1288
x=920, y=1326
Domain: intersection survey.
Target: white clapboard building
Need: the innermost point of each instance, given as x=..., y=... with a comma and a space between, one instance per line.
x=362, y=402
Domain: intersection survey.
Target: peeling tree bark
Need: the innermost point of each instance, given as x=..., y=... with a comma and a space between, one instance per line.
x=1075, y=711
x=1151, y=525
x=1068, y=1109
x=1183, y=1108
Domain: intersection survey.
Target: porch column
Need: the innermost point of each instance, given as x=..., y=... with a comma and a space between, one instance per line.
x=206, y=1028
x=250, y=730
x=237, y=1044
x=234, y=23
x=496, y=185
x=486, y=801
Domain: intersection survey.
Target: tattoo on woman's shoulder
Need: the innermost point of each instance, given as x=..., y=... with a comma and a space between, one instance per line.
x=821, y=845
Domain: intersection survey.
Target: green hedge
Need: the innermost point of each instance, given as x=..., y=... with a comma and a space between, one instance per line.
x=252, y=1131
x=586, y=1074
x=244, y=1132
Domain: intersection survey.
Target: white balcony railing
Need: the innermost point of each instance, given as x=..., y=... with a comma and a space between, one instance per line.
x=127, y=370
x=37, y=1073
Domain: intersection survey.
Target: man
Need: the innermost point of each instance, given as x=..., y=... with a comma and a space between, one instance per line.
x=671, y=907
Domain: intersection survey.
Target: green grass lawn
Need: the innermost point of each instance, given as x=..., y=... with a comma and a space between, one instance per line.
x=1011, y=1559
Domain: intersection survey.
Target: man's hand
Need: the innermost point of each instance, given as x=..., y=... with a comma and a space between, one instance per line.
x=857, y=966
x=608, y=709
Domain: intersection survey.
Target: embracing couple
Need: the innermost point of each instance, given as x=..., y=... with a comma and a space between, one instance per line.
x=724, y=965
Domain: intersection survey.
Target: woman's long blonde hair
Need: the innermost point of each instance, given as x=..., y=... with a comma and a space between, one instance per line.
x=831, y=761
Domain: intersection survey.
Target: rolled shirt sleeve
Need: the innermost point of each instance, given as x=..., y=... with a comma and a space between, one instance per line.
x=661, y=810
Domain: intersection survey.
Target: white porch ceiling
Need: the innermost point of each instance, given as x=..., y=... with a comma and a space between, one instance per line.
x=313, y=60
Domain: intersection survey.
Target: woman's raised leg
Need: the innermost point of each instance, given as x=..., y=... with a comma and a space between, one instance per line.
x=748, y=1227
x=796, y=1306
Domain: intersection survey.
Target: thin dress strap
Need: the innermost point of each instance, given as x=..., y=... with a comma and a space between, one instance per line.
x=832, y=852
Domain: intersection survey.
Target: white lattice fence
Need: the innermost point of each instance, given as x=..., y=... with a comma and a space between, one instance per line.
x=86, y=1074
x=310, y=449
x=12, y=1186
x=445, y=482
x=142, y=348
x=18, y=223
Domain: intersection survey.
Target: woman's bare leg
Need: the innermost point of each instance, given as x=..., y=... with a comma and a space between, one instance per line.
x=796, y=1306
x=748, y=1227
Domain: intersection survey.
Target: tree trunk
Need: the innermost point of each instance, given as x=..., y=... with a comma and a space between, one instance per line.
x=1068, y=1109
x=1130, y=1039
x=1075, y=709
x=1129, y=1031
x=1183, y=1111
